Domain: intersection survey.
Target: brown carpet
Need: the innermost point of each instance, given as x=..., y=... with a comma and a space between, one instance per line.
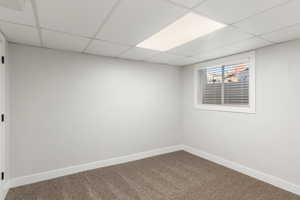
x=174, y=176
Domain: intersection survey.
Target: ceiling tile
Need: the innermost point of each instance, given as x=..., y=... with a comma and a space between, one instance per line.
x=13, y=4
x=20, y=33
x=273, y=19
x=219, y=38
x=231, y=11
x=138, y=53
x=105, y=48
x=187, y=3
x=290, y=33
x=171, y=59
x=135, y=20
x=77, y=17
x=63, y=41
x=186, y=61
x=21, y=17
x=246, y=45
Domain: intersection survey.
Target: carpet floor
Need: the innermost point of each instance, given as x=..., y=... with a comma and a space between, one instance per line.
x=174, y=176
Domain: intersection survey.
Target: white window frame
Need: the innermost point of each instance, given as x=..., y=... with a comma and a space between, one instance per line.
x=248, y=58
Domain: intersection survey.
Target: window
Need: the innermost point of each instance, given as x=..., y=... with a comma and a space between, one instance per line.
x=226, y=84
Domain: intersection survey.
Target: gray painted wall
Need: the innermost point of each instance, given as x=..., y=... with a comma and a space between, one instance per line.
x=69, y=109
x=267, y=141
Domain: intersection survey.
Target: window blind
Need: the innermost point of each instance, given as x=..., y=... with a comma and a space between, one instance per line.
x=228, y=85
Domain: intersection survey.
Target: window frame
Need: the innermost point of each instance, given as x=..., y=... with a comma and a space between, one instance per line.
x=248, y=58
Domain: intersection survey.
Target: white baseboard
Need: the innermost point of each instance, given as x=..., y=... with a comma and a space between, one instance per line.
x=3, y=190
x=24, y=180
x=278, y=182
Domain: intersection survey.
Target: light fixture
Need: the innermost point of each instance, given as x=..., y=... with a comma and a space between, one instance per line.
x=185, y=29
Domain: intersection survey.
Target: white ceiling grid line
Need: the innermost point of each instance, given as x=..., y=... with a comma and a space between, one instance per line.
x=25, y=17
x=220, y=38
x=62, y=41
x=187, y=4
x=271, y=20
x=100, y=47
x=122, y=24
x=234, y=48
x=135, y=20
x=171, y=59
x=77, y=17
x=16, y=23
x=20, y=33
x=65, y=33
x=102, y=24
x=37, y=23
x=233, y=11
x=266, y=10
x=177, y=4
x=284, y=34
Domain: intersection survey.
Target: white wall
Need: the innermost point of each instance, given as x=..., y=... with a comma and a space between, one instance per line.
x=267, y=141
x=69, y=109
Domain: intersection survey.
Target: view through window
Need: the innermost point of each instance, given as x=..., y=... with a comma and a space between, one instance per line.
x=225, y=85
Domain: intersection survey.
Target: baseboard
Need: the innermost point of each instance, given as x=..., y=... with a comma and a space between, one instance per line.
x=19, y=181
x=278, y=182
x=3, y=190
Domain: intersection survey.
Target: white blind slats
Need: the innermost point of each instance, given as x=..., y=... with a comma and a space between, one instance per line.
x=225, y=84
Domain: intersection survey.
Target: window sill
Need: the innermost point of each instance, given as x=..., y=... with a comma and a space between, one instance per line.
x=236, y=109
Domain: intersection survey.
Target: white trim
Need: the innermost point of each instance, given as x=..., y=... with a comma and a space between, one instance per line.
x=248, y=57
x=24, y=180
x=4, y=191
x=3, y=183
x=273, y=180
x=278, y=182
x=238, y=109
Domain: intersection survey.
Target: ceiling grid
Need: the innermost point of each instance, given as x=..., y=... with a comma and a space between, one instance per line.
x=122, y=24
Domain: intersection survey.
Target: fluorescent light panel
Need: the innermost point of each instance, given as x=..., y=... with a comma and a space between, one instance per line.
x=185, y=29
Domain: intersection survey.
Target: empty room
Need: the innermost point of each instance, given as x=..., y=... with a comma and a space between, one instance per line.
x=149, y=100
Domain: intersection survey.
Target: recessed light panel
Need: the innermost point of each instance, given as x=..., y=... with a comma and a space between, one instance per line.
x=185, y=29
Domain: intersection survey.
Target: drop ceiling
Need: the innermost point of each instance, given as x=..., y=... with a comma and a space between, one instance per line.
x=114, y=27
